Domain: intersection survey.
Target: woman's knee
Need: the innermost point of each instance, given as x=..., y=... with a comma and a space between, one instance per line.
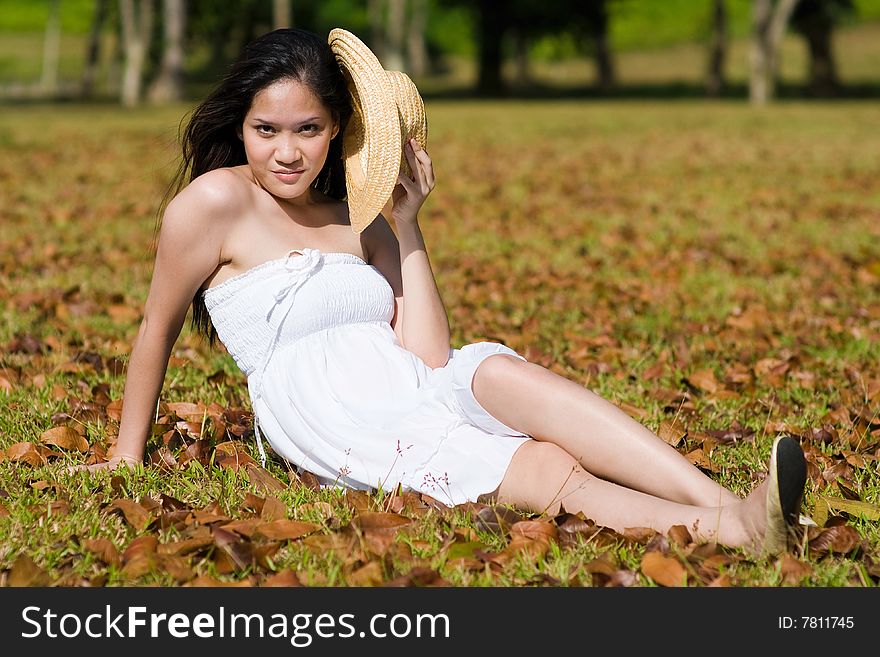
x=494, y=370
x=538, y=476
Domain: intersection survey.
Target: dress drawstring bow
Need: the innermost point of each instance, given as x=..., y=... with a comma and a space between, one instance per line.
x=300, y=269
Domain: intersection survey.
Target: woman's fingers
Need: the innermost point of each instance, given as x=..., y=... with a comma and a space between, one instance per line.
x=421, y=165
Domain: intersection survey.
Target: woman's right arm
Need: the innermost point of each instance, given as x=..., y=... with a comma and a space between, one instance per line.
x=188, y=251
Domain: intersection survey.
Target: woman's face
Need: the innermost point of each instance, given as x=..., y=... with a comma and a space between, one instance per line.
x=286, y=135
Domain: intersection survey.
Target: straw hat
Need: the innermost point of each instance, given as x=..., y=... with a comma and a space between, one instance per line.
x=387, y=110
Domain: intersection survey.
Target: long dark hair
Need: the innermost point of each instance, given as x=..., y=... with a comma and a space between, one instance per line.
x=210, y=138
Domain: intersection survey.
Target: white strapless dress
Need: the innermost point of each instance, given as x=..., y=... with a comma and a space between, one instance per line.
x=335, y=393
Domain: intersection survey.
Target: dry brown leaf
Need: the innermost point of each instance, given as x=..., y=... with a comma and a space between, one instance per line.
x=25, y=452
x=536, y=530
x=103, y=549
x=188, y=411
x=634, y=411
x=284, y=530
x=642, y=535
x=25, y=572
x=704, y=380
x=664, y=570
x=135, y=514
x=378, y=521
x=357, y=500
x=370, y=574
x=114, y=409
x=186, y=546
x=286, y=578
x=245, y=527
x=840, y=539
x=273, y=509
x=672, y=432
x=140, y=546
x=793, y=571
x=699, y=459
x=680, y=535
x=65, y=438
x=208, y=581
x=263, y=479
x=239, y=553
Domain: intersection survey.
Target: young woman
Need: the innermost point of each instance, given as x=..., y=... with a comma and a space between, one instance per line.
x=344, y=337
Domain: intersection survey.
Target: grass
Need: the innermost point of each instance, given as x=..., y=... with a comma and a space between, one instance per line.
x=625, y=246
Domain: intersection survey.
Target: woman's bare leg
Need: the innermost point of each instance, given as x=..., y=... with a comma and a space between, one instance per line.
x=605, y=440
x=542, y=476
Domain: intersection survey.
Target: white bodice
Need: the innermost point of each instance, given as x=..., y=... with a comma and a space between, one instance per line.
x=283, y=300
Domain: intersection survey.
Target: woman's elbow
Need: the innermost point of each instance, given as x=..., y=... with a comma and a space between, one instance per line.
x=438, y=359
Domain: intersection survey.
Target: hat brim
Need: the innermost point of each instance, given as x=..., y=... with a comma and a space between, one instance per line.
x=372, y=141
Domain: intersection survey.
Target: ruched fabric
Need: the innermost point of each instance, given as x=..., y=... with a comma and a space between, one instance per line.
x=335, y=393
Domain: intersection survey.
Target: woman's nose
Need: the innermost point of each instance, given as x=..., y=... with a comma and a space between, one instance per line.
x=287, y=151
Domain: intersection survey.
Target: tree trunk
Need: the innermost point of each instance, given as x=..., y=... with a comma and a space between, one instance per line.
x=376, y=10
x=137, y=25
x=717, y=49
x=768, y=28
x=605, y=77
x=282, y=15
x=51, y=45
x=491, y=26
x=395, y=32
x=93, y=49
x=168, y=85
x=521, y=53
x=417, y=52
x=818, y=30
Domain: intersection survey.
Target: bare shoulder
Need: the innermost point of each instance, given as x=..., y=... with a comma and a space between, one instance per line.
x=221, y=191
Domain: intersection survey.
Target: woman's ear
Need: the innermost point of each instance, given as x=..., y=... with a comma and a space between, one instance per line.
x=335, y=130
x=239, y=132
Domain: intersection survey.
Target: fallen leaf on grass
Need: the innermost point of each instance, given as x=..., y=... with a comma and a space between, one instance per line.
x=704, y=380
x=793, y=571
x=103, y=549
x=672, y=432
x=284, y=530
x=273, y=509
x=536, y=530
x=186, y=546
x=135, y=514
x=263, y=479
x=378, y=521
x=25, y=452
x=370, y=574
x=854, y=508
x=496, y=519
x=286, y=578
x=25, y=572
x=840, y=539
x=64, y=438
x=142, y=545
x=664, y=570
x=208, y=581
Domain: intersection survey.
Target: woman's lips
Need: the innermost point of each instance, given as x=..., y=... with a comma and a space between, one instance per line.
x=288, y=176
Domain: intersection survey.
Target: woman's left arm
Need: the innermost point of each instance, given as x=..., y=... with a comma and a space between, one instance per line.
x=423, y=327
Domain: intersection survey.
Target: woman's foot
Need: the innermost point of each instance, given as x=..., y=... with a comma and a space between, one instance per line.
x=787, y=478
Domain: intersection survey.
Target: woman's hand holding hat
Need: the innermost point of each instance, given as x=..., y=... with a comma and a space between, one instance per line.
x=411, y=191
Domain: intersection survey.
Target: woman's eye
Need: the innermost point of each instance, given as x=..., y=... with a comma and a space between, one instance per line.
x=310, y=127
x=265, y=129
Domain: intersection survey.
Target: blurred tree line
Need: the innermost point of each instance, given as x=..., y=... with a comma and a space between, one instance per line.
x=156, y=38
